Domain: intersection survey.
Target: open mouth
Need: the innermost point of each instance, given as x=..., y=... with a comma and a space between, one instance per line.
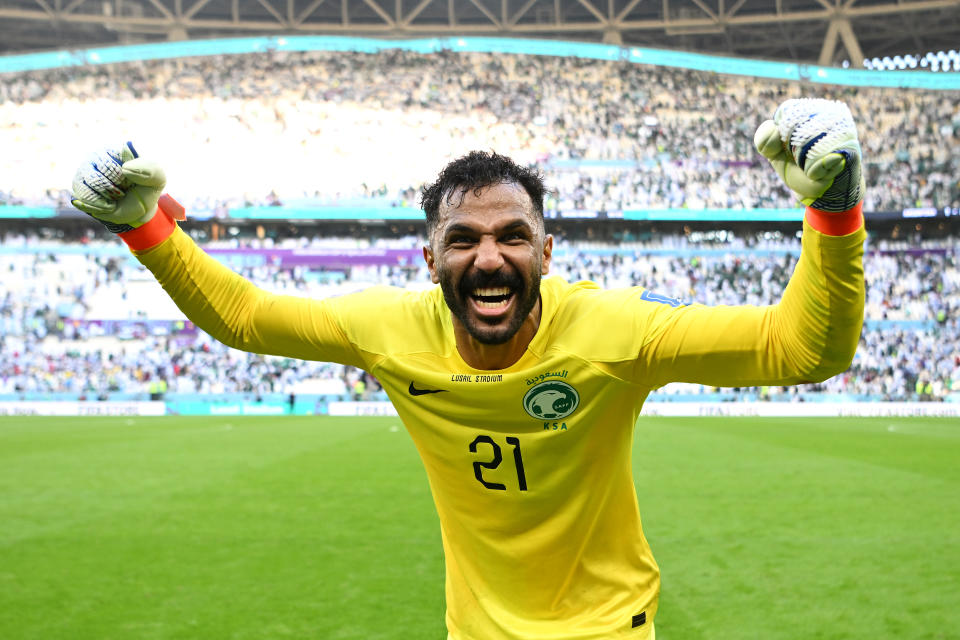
x=491, y=300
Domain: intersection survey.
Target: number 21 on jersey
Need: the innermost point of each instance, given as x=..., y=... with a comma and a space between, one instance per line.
x=486, y=444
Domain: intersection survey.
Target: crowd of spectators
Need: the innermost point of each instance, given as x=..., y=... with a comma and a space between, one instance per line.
x=54, y=306
x=315, y=128
x=336, y=127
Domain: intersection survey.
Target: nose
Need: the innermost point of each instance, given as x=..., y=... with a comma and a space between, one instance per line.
x=488, y=258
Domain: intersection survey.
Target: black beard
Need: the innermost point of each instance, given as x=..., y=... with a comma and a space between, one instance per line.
x=481, y=332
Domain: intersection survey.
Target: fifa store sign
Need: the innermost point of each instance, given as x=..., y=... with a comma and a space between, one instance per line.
x=65, y=408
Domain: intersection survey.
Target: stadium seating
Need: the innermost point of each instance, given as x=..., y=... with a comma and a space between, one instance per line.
x=98, y=324
x=359, y=130
x=350, y=127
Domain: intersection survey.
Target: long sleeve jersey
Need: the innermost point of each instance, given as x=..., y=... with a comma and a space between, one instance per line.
x=530, y=466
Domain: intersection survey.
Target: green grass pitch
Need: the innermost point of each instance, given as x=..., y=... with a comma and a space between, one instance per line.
x=262, y=528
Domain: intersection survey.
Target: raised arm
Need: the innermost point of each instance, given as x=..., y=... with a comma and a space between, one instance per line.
x=812, y=333
x=125, y=193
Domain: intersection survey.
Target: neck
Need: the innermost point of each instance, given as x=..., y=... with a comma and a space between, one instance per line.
x=496, y=356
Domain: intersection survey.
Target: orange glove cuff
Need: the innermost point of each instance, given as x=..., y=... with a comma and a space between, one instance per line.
x=159, y=228
x=841, y=223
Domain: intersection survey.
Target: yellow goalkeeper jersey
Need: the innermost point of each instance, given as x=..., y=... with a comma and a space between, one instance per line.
x=530, y=466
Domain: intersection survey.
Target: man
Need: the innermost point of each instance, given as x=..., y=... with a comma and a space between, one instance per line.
x=520, y=394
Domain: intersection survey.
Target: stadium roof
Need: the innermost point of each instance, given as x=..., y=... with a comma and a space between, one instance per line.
x=825, y=32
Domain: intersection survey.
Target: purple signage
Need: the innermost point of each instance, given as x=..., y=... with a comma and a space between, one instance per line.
x=330, y=258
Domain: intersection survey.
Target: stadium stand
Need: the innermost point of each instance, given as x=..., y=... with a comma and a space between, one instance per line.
x=97, y=324
x=353, y=127
x=80, y=319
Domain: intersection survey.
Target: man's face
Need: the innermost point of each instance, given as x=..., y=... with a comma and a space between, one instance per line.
x=488, y=253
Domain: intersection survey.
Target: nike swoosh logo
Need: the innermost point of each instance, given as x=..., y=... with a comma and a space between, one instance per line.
x=422, y=392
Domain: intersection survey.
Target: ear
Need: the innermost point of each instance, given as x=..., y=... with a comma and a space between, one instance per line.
x=547, y=253
x=431, y=265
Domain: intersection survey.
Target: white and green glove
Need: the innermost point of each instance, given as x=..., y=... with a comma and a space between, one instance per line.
x=118, y=188
x=813, y=145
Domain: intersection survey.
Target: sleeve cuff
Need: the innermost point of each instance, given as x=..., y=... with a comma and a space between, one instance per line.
x=159, y=228
x=841, y=223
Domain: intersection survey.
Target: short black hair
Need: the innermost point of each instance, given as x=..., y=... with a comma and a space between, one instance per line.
x=473, y=172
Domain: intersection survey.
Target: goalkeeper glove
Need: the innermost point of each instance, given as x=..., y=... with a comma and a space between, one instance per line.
x=122, y=190
x=813, y=145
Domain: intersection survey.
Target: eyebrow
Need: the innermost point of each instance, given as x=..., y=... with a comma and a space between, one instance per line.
x=459, y=227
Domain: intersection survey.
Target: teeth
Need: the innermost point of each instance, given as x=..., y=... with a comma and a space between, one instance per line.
x=492, y=291
x=491, y=305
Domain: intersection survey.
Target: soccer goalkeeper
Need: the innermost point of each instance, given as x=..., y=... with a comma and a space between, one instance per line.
x=521, y=393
